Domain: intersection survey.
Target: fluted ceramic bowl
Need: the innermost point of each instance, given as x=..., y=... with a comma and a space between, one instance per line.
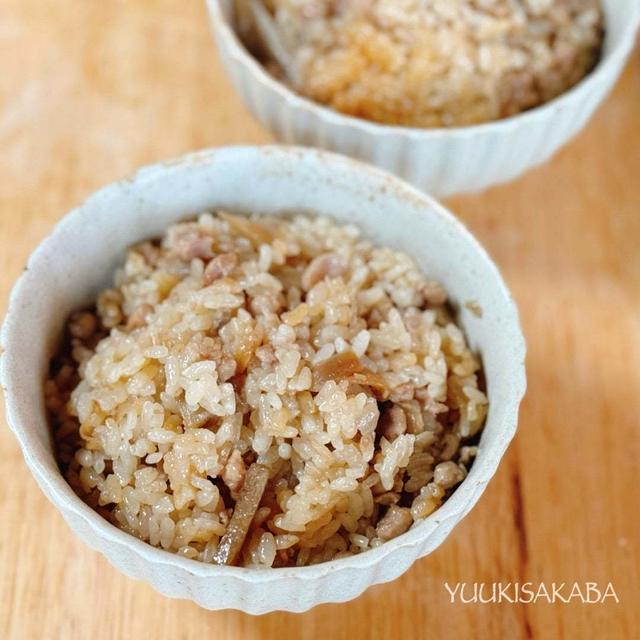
x=441, y=161
x=79, y=257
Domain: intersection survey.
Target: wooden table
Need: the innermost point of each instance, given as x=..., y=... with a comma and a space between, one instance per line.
x=91, y=89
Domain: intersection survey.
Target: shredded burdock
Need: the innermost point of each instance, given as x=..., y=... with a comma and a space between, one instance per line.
x=250, y=496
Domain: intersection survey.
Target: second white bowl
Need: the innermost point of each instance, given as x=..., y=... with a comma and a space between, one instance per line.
x=440, y=161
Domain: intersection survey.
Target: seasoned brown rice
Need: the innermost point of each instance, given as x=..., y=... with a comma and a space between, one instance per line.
x=265, y=392
x=432, y=63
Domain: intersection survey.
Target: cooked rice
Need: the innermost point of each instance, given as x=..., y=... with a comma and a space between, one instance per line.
x=287, y=344
x=439, y=62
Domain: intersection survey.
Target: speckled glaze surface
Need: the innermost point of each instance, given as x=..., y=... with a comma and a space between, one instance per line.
x=79, y=258
x=440, y=161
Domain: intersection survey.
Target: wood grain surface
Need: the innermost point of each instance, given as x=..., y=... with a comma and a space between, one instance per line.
x=91, y=89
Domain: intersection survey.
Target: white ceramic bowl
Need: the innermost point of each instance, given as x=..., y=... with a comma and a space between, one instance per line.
x=78, y=259
x=440, y=161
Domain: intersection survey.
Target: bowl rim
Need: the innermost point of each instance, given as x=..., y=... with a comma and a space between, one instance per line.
x=64, y=498
x=236, y=49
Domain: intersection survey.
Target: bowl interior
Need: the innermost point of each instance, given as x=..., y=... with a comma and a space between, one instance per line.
x=80, y=256
x=621, y=19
